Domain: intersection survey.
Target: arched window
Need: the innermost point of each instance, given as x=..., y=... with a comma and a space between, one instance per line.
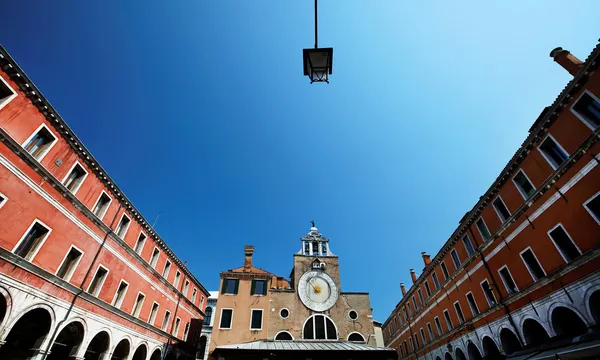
x=283, y=335
x=356, y=337
x=207, y=316
x=319, y=327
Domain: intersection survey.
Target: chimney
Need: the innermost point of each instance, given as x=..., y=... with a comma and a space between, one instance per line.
x=413, y=275
x=248, y=251
x=403, y=289
x=567, y=60
x=426, y=258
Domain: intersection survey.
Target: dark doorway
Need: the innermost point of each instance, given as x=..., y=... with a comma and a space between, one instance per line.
x=534, y=333
x=490, y=349
x=567, y=323
x=98, y=346
x=121, y=351
x=67, y=342
x=510, y=342
x=473, y=351
x=170, y=356
x=3, y=308
x=460, y=355
x=448, y=357
x=202, y=347
x=140, y=353
x=156, y=355
x=28, y=333
x=595, y=307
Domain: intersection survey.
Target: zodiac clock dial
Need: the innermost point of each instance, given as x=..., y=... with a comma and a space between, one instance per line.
x=317, y=290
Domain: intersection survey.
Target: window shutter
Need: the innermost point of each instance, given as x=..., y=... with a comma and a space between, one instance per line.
x=253, y=287
x=224, y=286
x=237, y=283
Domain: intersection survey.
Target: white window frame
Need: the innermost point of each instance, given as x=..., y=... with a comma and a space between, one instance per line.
x=421, y=298
x=166, y=271
x=4, y=200
x=427, y=288
x=475, y=311
x=85, y=175
x=527, y=266
x=117, y=229
x=165, y=323
x=176, y=279
x=195, y=295
x=50, y=146
x=221, y=318
x=457, y=266
x=141, y=305
x=423, y=336
x=438, y=325
x=5, y=102
x=99, y=289
x=487, y=227
x=444, y=273
x=436, y=280
x=176, y=327
x=157, y=256
x=460, y=322
x=186, y=287
x=288, y=310
x=509, y=291
x=70, y=273
x=35, y=251
x=490, y=304
x=262, y=313
x=584, y=206
x=152, y=320
x=466, y=248
x=551, y=162
x=284, y=331
x=118, y=306
x=579, y=116
x=498, y=213
x=101, y=216
x=448, y=320
x=186, y=331
x=523, y=194
x=556, y=245
x=430, y=331
x=414, y=301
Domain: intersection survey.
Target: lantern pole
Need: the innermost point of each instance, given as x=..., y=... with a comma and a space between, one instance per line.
x=316, y=28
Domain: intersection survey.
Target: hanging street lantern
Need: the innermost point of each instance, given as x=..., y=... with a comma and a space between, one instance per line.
x=318, y=61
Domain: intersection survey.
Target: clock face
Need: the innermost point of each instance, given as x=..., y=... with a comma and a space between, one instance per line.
x=317, y=290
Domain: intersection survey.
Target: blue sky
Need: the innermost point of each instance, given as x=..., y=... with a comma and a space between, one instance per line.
x=199, y=111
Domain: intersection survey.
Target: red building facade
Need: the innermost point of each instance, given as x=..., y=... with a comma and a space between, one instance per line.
x=82, y=273
x=520, y=276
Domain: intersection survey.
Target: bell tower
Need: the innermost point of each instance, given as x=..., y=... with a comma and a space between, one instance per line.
x=314, y=249
x=315, y=244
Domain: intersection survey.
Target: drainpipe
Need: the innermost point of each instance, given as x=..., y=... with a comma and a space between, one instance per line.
x=87, y=274
x=174, y=318
x=495, y=284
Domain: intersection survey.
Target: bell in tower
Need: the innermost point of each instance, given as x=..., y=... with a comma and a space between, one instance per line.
x=315, y=244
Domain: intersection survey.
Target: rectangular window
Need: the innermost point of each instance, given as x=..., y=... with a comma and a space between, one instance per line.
x=501, y=210
x=177, y=276
x=256, y=319
x=32, y=241
x=459, y=313
x=417, y=341
x=120, y=294
x=230, y=286
x=483, y=229
x=98, y=281
x=523, y=184
x=166, y=270
x=259, y=287
x=176, y=329
x=153, y=312
x=101, y=205
x=587, y=109
x=468, y=245
x=533, y=265
x=448, y=320
x=553, y=152
x=166, y=320
x=139, y=302
x=40, y=143
x=123, y=226
x=69, y=264
x=508, y=281
x=421, y=296
x=436, y=281
x=404, y=313
x=186, y=287
x=563, y=242
x=472, y=304
x=455, y=258
x=430, y=331
x=194, y=295
x=489, y=294
x=438, y=326
x=186, y=330
x=412, y=346
x=414, y=301
x=445, y=271
x=427, y=289
x=593, y=207
x=154, y=257
x=139, y=244
x=75, y=178
x=423, y=336
x=6, y=93
x=226, y=318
